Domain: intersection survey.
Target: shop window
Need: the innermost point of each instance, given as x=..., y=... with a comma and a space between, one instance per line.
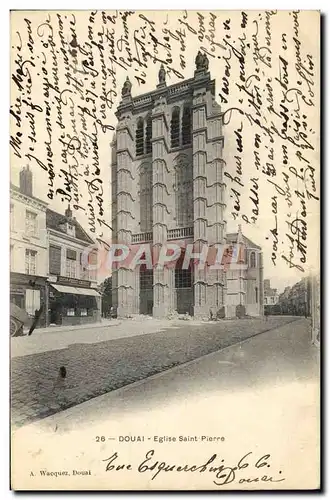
x=32, y=301
x=149, y=135
x=31, y=223
x=186, y=126
x=83, y=312
x=30, y=261
x=175, y=128
x=70, y=312
x=139, y=138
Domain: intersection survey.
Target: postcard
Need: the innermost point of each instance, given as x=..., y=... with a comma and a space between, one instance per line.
x=164, y=250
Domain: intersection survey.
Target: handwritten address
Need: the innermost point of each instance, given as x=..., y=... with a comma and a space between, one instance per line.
x=248, y=469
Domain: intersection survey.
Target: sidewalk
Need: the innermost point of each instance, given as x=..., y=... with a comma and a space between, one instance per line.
x=259, y=397
x=69, y=328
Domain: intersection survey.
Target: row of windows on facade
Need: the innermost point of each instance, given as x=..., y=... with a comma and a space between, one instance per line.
x=55, y=262
x=183, y=279
x=55, y=255
x=181, y=131
x=31, y=224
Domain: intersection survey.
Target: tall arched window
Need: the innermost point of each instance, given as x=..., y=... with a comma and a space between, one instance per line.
x=183, y=192
x=186, y=126
x=146, y=197
x=148, y=135
x=253, y=259
x=175, y=128
x=139, y=138
x=183, y=277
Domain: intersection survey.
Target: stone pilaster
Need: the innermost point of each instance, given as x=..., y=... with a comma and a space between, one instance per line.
x=216, y=229
x=161, y=187
x=114, y=225
x=209, y=191
x=200, y=196
x=136, y=287
x=125, y=211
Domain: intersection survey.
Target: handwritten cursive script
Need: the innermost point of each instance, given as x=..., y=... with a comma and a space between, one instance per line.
x=247, y=469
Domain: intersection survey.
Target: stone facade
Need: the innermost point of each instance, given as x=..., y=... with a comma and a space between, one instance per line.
x=245, y=280
x=271, y=296
x=28, y=249
x=73, y=295
x=168, y=187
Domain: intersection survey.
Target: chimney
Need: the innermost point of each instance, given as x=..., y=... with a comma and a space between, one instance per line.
x=25, y=181
x=68, y=213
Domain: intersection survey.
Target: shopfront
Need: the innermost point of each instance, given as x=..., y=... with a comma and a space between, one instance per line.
x=73, y=302
x=30, y=293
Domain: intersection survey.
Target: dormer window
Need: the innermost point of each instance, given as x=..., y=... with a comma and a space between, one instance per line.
x=71, y=229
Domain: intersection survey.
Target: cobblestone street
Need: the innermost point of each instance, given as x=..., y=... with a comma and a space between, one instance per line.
x=97, y=368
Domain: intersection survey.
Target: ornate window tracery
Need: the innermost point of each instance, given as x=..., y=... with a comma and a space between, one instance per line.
x=186, y=131
x=139, y=138
x=145, y=197
x=183, y=188
x=175, y=128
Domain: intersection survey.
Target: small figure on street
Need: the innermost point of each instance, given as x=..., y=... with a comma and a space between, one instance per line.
x=60, y=380
x=211, y=315
x=37, y=315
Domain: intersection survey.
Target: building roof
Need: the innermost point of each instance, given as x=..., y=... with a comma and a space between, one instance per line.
x=176, y=91
x=17, y=189
x=54, y=220
x=232, y=238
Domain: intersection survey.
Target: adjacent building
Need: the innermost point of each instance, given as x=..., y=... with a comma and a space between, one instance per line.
x=245, y=282
x=295, y=300
x=28, y=248
x=271, y=296
x=168, y=187
x=53, y=261
x=73, y=295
